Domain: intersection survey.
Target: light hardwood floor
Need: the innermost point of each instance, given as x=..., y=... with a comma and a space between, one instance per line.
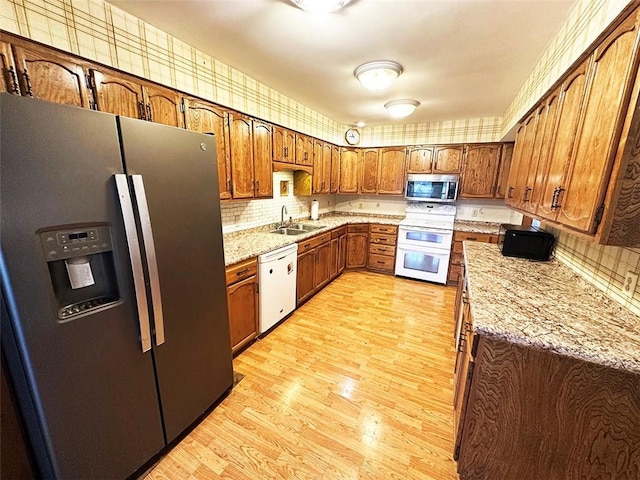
x=356, y=384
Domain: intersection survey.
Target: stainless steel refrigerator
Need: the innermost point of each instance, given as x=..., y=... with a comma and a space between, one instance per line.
x=114, y=310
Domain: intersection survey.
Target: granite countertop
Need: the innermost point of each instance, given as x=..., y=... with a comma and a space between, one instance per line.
x=545, y=305
x=246, y=244
x=491, y=228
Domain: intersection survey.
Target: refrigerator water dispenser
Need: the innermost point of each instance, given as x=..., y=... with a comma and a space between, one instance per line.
x=81, y=267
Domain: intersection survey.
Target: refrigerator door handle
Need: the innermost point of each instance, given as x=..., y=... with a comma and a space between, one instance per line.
x=150, y=252
x=136, y=259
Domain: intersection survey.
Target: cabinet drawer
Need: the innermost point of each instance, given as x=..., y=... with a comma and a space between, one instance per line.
x=240, y=271
x=386, y=229
x=456, y=258
x=381, y=262
x=382, y=238
x=364, y=228
x=387, y=250
x=475, y=237
x=454, y=273
x=338, y=232
x=457, y=247
x=313, y=242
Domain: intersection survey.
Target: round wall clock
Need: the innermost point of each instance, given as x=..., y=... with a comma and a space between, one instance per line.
x=352, y=136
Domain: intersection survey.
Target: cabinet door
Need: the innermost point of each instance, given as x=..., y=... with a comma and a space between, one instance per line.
x=357, y=249
x=342, y=253
x=262, y=154
x=52, y=76
x=370, y=166
x=203, y=117
x=9, y=81
x=480, y=171
x=322, y=273
x=609, y=83
x=503, y=171
x=448, y=159
x=571, y=97
x=318, y=166
x=391, y=172
x=327, y=150
x=306, y=272
x=241, y=154
x=333, y=260
x=548, y=123
x=335, y=169
x=349, y=170
x=163, y=106
x=117, y=95
x=420, y=159
x=283, y=145
x=304, y=150
x=243, y=311
x=524, y=151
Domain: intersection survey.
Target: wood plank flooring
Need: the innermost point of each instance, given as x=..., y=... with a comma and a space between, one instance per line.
x=356, y=384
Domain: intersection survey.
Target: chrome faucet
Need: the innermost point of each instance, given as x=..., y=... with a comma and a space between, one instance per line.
x=283, y=212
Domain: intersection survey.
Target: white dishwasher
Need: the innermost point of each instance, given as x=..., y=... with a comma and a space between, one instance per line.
x=277, y=272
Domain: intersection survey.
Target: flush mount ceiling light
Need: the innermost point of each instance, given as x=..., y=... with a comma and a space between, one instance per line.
x=378, y=75
x=401, y=108
x=320, y=6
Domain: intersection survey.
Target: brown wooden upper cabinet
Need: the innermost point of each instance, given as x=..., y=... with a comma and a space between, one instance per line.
x=9, y=81
x=322, y=152
x=447, y=159
x=49, y=75
x=420, y=159
x=205, y=117
x=121, y=95
x=304, y=150
x=349, y=175
x=480, y=170
x=391, y=171
x=262, y=155
x=572, y=156
x=503, y=172
x=284, y=145
x=369, y=170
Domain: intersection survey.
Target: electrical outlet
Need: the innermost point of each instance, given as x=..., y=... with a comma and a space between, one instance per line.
x=360, y=205
x=630, y=282
x=474, y=212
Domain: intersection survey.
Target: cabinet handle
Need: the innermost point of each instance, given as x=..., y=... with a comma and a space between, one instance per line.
x=509, y=192
x=380, y=262
x=14, y=81
x=554, y=198
x=472, y=238
x=307, y=246
x=525, y=196
x=149, y=114
x=285, y=152
x=560, y=192
x=141, y=114
x=242, y=272
x=25, y=74
x=257, y=186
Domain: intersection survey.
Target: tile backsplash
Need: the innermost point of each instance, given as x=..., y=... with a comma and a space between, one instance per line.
x=603, y=266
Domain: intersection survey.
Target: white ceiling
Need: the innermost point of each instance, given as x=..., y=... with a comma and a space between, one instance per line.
x=461, y=58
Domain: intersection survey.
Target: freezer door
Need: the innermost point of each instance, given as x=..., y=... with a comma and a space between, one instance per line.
x=179, y=173
x=92, y=386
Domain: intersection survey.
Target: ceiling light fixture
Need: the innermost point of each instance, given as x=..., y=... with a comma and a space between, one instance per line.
x=401, y=108
x=360, y=124
x=378, y=75
x=320, y=6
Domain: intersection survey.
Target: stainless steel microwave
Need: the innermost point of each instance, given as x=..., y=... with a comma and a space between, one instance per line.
x=432, y=188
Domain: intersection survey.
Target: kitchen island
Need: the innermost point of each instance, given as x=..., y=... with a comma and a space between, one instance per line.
x=549, y=375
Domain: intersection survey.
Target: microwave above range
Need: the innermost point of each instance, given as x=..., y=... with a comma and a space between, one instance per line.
x=432, y=188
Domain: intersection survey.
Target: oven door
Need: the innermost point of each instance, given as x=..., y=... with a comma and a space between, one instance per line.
x=425, y=237
x=422, y=263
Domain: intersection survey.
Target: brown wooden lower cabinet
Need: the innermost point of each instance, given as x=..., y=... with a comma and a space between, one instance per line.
x=382, y=248
x=357, y=243
x=314, y=265
x=455, y=262
x=242, y=298
x=524, y=413
x=338, y=252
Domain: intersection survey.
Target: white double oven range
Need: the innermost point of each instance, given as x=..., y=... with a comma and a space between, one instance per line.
x=425, y=237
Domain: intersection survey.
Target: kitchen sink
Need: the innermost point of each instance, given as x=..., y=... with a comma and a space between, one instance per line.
x=306, y=228
x=288, y=231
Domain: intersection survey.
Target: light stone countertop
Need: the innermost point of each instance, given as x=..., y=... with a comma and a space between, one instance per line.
x=491, y=228
x=545, y=305
x=246, y=244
